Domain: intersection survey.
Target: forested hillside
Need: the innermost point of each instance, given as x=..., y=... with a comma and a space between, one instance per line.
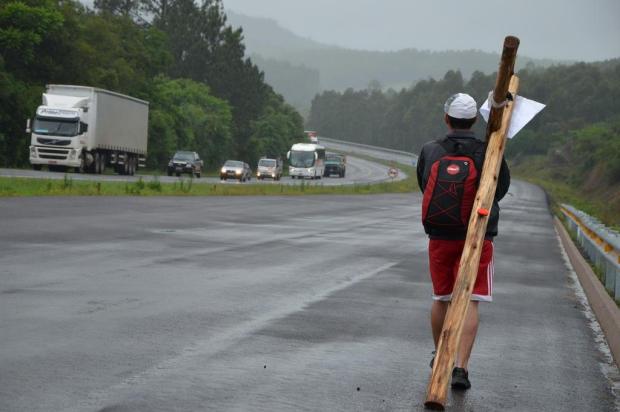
x=298, y=84
x=575, y=141
x=187, y=61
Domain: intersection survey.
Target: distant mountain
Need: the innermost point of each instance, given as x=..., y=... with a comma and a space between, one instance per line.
x=266, y=37
x=298, y=68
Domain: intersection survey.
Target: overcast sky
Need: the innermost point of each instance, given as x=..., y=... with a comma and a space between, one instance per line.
x=560, y=29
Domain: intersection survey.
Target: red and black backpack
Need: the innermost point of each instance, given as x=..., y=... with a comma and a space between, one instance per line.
x=451, y=189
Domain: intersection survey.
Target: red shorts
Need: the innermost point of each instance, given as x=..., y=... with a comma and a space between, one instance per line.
x=444, y=257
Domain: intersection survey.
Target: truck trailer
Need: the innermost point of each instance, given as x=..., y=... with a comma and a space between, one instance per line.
x=87, y=129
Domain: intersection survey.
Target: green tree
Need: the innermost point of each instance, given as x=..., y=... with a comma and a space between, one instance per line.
x=26, y=29
x=184, y=115
x=207, y=50
x=275, y=131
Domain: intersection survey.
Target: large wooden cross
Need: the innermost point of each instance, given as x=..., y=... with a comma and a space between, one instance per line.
x=499, y=121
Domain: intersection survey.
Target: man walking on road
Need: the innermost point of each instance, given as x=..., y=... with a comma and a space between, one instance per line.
x=448, y=173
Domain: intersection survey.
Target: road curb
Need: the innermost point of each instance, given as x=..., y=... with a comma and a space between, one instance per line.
x=605, y=309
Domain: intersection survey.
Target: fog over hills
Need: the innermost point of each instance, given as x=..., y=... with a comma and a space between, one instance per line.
x=268, y=38
x=583, y=30
x=298, y=67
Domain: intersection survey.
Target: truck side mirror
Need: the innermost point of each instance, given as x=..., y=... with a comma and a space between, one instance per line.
x=28, y=130
x=316, y=156
x=288, y=155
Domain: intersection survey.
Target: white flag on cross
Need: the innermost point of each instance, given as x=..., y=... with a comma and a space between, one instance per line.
x=523, y=112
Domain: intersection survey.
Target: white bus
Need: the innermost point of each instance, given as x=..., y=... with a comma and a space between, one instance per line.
x=306, y=160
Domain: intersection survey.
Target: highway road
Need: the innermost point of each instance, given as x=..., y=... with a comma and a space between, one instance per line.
x=359, y=171
x=395, y=156
x=316, y=303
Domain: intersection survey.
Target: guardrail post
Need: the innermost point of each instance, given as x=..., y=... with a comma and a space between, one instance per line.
x=616, y=275
x=610, y=278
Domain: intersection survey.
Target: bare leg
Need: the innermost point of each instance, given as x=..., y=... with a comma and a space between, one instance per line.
x=470, y=328
x=438, y=314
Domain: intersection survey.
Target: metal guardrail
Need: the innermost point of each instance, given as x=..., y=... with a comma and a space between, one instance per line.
x=367, y=146
x=600, y=243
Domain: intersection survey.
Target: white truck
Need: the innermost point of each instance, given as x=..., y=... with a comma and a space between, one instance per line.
x=88, y=128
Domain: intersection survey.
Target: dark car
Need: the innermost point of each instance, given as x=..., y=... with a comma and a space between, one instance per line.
x=185, y=162
x=335, y=164
x=236, y=169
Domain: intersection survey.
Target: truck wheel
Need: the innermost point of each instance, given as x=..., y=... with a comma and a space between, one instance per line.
x=178, y=174
x=102, y=160
x=198, y=175
x=80, y=168
x=36, y=167
x=97, y=163
x=126, y=165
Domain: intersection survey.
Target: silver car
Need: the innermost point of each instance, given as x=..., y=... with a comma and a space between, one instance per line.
x=235, y=169
x=269, y=168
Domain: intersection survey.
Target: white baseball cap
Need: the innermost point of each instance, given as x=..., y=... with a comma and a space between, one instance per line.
x=460, y=106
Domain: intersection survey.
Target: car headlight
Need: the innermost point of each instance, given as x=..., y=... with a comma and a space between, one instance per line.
x=72, y=154
x=33, y=151
x=170, y=164
x=223, y=170
x=238, y=172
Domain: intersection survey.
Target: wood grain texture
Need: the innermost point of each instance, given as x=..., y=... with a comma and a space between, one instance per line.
x=470, y=259
x=506, y=70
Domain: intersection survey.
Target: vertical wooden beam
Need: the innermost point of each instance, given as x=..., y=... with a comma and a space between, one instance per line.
x=506, y=70
x=468, y=268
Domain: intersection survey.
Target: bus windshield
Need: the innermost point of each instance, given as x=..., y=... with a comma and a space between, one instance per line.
x=56, y=127
x=302, y=159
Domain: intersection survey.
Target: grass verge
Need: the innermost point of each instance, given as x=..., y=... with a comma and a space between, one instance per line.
x=560, y=192
x=13, y=186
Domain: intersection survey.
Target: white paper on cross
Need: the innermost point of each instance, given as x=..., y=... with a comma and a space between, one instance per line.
x=523, y=112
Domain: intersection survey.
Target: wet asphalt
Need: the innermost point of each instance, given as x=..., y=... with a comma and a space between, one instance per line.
x=316, y=303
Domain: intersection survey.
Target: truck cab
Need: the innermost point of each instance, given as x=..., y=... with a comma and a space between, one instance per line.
x=59, y=133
